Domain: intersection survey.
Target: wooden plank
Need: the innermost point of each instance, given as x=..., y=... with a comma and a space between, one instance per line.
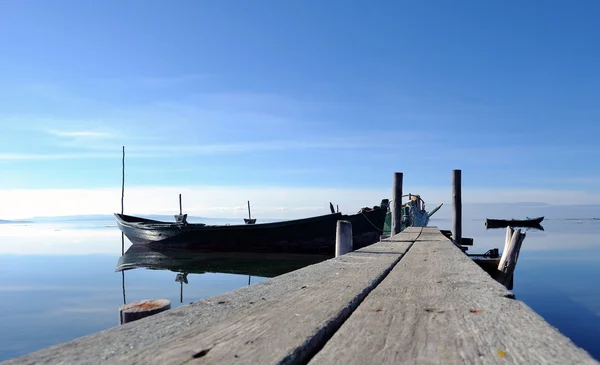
x=291, y=328
x=438, y=307
x=410, y=234
x=431, y=234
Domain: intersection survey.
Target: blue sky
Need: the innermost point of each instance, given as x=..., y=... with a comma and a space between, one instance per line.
x=299, y=95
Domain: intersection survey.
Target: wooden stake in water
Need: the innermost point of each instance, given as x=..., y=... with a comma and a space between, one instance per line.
x=141, y=309
x=510, y=255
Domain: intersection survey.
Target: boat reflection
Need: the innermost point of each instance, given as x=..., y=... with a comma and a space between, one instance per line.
x=184, y=262
x=533, y=227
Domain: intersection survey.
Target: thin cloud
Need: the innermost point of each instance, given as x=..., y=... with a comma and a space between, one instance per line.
x=104, y=150
x=75, y=134
x=54, y=156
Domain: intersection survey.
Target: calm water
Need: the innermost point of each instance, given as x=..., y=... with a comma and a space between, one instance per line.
x=57, y=281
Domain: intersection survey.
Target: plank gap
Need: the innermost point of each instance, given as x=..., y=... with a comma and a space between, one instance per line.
x=328, y=330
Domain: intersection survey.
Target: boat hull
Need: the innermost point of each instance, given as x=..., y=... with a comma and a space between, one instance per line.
x=499, y=223
x=309, y=235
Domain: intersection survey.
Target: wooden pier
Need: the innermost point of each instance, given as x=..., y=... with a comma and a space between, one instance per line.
x=414, y=298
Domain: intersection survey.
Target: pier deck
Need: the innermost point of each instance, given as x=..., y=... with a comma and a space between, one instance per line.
x=414, y=298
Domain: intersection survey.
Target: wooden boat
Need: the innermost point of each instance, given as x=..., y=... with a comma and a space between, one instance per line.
x=308, y=235
x=195, y=262
x=414, y=213
x=528, y=222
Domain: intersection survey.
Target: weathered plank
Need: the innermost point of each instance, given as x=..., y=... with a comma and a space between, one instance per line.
x=408, y=235
x=283, y=319
x=438, y=307
x=288, y=330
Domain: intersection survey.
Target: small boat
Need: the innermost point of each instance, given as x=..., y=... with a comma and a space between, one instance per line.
x=527, y=222
x=307, y=235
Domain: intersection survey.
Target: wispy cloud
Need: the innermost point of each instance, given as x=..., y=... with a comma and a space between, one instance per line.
x=55, y=156
x=94, y=151
x=84, y=134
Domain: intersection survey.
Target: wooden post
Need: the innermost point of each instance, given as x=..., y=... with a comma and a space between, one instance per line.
x=456, y=207
x=397, y=204
x=144, y=308
x=510, y=255
x=123, y=284
x=509, y=233
x=343, y=238
x=180, y=208
x=249, y=214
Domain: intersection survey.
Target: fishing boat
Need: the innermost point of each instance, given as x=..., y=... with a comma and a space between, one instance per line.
x=307, y=235
x=414, y=213
x=527, y=222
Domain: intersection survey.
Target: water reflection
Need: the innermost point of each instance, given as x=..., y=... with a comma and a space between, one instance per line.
x=183, y=262
x=532, y=227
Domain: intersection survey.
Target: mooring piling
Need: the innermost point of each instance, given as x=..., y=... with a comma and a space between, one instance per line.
x=456, y=207
x=510, y=255
x=397, y=204
x=343, y=238
x=141, y=309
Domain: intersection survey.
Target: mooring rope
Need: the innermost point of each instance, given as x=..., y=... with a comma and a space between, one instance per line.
x=374, y=226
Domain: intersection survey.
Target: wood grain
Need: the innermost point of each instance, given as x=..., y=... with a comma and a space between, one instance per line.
x=289, y=329
x=438, y=307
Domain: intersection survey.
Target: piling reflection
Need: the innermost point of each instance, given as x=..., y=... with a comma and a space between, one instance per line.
x=184, y=262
